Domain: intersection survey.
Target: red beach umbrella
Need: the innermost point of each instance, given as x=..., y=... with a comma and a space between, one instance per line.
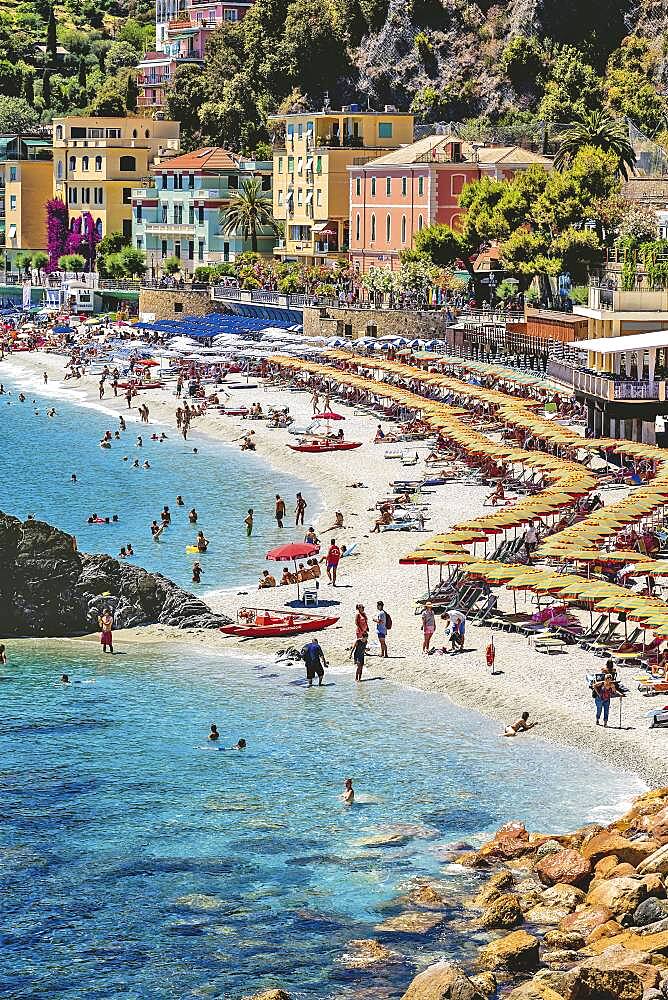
x=328, y=415
x=294, y=551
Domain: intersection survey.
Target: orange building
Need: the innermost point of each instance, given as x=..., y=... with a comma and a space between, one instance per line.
x=396, y=195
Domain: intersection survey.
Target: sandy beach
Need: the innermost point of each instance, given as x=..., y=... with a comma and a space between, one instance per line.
x=551, y=687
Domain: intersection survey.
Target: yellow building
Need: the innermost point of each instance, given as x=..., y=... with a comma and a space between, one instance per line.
x=312, y=153
x=25, y=187
x=97, y=162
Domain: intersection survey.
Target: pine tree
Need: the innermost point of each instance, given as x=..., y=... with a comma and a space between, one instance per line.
x=29, y=88
x=131, y=93
x=82, y=73
x=51, y=41
x=46, y=89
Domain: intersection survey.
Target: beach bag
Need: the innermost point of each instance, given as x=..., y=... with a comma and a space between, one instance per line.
x=388, y=621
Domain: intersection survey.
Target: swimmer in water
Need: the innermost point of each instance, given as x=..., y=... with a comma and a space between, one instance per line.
x=64, y=679
x=73, y=477
x=197, y=573
x=194, y=451
x=214, y=734
x=192, y=516
x=179, y=501
x=202, y=542
x=135, y=464
x=140, y=443
x=146, y=465
x=349, y=792
x=129, y=550
x=240, y=745
x=121, y=423
x=3, y=654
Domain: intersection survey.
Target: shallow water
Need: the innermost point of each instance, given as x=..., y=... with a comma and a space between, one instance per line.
x=39, y=455
x=115, y=808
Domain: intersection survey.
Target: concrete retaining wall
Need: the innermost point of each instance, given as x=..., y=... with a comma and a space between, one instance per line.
x=354, y=323
x=176, y=303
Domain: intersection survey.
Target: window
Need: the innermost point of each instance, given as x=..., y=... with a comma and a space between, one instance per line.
x=280, y=164
x=357, y=227
x=113, y=133
x=147, y=134
x=457, y=182
x=318, y=196
x=226, y=251
x=388, y=186
x=279, y=199
x=177, y=249
x=140, y=243
x=163, y=248
x=127, y=228
x=299, y=196
x=191, y=215
x=229, y=15
x=388, y=228
x=178, y=182
x=384, y=130
x=404, y=186
x=420, y=186
x=358, y=186
x=73, y=196
x=85, y=196
x=98, y=226
x=134, y=133
x=191, y=249
x=200, y=250
x=200, y=215
x=178, y=215
x=163, y=213
x=85, y=162
x=420, y=222
x=59, y=131
x=98, y=163
x=373, y=187
x=266, y=182
x=300, y=164
x=403, y=228
x=233, y=182
x=100, y=195
x=139, y=215
x=300, y=130
x=373, y=228
x=127, y=196
x=73, y=163
x=127, y=162
x=59, y=170
x=291, y=164
x=78, y=132
x=12, y=173
x=12, y=202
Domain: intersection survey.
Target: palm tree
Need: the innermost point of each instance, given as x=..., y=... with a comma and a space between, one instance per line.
x=596, y=128
x=248, y=211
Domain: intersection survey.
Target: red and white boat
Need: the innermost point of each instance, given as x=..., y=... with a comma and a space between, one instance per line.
x=258, y=623
x=325, y=445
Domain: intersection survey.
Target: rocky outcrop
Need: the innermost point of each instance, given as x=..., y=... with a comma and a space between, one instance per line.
x=566, y=866
x=49, y=588
x=516, y=952
x=444, y=981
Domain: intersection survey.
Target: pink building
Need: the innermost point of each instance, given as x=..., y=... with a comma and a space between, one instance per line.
x=396, y=195
x=181, y=30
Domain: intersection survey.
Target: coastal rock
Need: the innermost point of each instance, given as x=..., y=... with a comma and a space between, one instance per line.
x=563, y=939
x=517, y=952
x=617, y=958
x=568, y=896
x=443, y=981
x=548, y=916
x=650, y=911
x=630, y=852
x=603, y=867
x=565, y=866
x=410, y=923
x=650, y=943
x=48, y=587
x=270, y=995
x=424, y=894
x=658, y=827
x=609, y=929
x=530, y=893
x=510, y=841
x=560, y=958
x=368, y=952
x=548, y=847
x=534, y=989
x=503, y=912
x=586, y=920
x=656, y=863
x=200, y=902
x=599, y=984
x=624, y=870
x=486, y=983
x=619, y=895
x=654, y=885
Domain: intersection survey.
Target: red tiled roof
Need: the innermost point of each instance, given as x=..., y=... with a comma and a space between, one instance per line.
x=207, y=158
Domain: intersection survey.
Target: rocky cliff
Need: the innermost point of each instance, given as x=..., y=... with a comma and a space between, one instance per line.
x=49, y=588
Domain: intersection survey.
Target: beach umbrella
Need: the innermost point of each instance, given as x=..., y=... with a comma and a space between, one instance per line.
x=293, y=551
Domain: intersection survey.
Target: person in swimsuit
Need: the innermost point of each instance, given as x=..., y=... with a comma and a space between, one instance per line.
x=192, y=516
x=314, y=658
x=106, y=623
x=202, y=542
x=64, y=679
x=214, y=734
x=428, y=626
x=521, y=726
x=279, y=510
x=300, y=510
x=248, y=521
x=197, y=573
x=348, y=792
x=359, y=650
x=179, y=501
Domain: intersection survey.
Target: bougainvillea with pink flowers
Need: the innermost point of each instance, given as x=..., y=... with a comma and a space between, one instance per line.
x=57, y=225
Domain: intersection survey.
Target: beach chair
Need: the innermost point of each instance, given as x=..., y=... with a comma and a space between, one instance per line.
x=598, y=634
x=549, y=644
x=603, y=645
x=659, y=718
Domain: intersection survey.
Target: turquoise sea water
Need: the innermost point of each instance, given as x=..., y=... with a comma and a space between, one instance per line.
x=137, y=861
x=39, y=455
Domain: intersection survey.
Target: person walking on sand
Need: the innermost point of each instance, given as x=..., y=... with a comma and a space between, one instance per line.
x=279, y=512
x=248, y=521
x=106, y=623
x=603, y=691
x=383, y=623
x=428, y=626
x=332, y=561
x=300, y=510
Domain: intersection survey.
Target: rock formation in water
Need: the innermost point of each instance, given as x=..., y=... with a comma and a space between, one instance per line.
x=48, y=587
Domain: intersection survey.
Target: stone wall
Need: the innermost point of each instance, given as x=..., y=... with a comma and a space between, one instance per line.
x=176, y=303
x=354, y=323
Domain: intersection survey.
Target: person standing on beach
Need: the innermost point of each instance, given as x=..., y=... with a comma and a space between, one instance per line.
x=106, y=623
x=46, y=378
x=279, y=513
x=248, y=521
x=332, y=561
x=382, y=625
x=603, y=692
x=359, y=649
x=300, y=510
x=428, y=626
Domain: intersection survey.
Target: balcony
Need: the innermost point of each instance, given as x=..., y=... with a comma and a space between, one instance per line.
x=618, y=389
x=605, y=297
x=181, y=228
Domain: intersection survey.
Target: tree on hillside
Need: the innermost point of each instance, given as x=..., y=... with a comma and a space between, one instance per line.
x=51, y=40
x=629, y=85
x=443, y=246
x=119, y=55
x=249, y=211
x=16, y=115
x=601, y=131
x=572, y=88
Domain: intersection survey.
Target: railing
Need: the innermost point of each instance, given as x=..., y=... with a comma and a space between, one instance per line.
x=611, y=388
x=185, y=228
x=636, y=390
x=637, y=299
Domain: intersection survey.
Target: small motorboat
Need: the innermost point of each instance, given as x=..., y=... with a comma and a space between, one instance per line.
x=258, y=623
x=325, y=445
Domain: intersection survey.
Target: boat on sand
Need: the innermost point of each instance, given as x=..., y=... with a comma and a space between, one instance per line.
x=319, y=446
x=258, y=623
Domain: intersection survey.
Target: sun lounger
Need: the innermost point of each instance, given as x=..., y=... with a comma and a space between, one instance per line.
x=550, y=644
